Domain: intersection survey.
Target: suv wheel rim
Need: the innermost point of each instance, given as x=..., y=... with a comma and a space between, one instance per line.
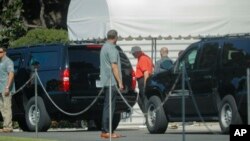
x=32, y=115
x=226, y=115
x=151, y=115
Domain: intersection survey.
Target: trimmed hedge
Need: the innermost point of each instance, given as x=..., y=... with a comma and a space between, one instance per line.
x=42, y=36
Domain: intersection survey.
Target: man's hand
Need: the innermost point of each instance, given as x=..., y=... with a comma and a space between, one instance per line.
x=117, y=76
x=121, y=87
x=7, y=92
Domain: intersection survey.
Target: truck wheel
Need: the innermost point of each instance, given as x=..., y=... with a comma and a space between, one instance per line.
x=228, y=114
x=116, y=121
x=156, y=120
x=44, y=120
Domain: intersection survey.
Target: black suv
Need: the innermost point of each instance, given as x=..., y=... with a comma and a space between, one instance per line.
x=70, y=75
x=215, y=85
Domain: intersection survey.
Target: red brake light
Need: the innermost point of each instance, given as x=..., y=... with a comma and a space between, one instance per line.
x=65, y=80
x=133, y=80
x=94, y=46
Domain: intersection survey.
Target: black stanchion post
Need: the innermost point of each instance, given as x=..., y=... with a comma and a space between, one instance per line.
x=36, y=102
x=183, y=101
x=248, y=96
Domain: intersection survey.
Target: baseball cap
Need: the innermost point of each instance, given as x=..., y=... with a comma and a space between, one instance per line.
x=135, y=49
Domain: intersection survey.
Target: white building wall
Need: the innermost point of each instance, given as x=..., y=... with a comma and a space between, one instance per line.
x=174, y=46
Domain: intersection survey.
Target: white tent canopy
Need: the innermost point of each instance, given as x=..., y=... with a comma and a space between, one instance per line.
x=91, y=19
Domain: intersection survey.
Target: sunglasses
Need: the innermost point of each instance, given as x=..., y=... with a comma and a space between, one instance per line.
x=1, y=51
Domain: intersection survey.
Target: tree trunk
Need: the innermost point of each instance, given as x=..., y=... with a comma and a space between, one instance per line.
x=42, y=13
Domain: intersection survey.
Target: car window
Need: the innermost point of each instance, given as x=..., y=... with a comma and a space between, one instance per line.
x=87, y=58
x=236, y=54
x=189, y=59
x=45, y=59
x=208, y=57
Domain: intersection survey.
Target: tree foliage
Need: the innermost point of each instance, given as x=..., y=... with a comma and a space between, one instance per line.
x=19, y=16
x=41, y=36
x=11, y=27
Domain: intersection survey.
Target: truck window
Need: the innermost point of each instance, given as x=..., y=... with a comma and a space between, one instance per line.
x=189, y=59
x=83, y=58
x=209, y=55
x=84, y=68
x=45, y=59
x=236, y=54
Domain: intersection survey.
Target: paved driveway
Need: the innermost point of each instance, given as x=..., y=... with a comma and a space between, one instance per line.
x=194, y=132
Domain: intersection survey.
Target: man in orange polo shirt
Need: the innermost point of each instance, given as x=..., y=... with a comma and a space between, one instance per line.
x=144, y=69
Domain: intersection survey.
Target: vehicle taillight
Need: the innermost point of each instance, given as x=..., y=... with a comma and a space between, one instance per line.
x=133, y=81
x=94, y=46
x=65, y=80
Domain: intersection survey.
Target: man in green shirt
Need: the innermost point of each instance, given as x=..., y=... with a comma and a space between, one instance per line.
x=6, y=89
x=110, y=75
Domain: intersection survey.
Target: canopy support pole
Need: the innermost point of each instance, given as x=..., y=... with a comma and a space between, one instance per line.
x=154, y=49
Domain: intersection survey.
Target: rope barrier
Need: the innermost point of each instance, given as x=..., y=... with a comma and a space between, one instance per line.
x=24, y=85
x=158, y=108
x=125, y=101
x=67, y=113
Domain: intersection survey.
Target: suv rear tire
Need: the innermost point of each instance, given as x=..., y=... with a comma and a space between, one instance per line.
x=156, y=120
x=44, y=122
x=228, y=114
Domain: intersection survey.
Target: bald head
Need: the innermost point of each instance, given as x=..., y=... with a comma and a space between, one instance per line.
x=164, y=52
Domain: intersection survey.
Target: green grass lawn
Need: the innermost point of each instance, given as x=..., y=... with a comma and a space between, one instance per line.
x=5, y=138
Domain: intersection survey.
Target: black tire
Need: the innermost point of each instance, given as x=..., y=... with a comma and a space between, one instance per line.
x=44, y=120
x=156, y=121
x=22, y=124
x=116, y=121
x=228, y=114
